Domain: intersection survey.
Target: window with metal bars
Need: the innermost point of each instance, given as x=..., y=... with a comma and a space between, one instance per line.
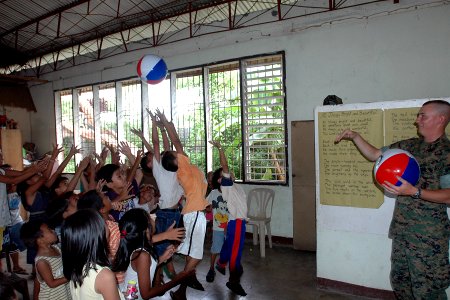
x=241, y=103
x=264, y=119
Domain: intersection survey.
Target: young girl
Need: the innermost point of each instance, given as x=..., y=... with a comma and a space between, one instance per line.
x=85, y=257
x=96, y=200
x=137, y=257
x=48, y=260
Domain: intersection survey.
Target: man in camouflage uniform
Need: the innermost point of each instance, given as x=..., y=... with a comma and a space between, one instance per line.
x=420, y=227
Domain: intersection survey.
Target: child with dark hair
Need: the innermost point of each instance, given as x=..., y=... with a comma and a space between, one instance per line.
x=236, y=200
x=48, y=261
x=220, y=221
x=168, y=213
x=194, y=184
x=85, y=257
x=120, y=190
x=137, y=257
x=97, y=201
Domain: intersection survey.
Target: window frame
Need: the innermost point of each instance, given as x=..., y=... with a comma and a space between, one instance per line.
x=172, y=86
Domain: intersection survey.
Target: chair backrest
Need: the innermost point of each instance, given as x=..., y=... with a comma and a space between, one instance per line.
x=260, y=202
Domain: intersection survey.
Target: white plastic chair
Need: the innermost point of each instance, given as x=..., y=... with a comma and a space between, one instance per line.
x=259, y=203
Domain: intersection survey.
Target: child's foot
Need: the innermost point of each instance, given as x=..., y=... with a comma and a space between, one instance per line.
x=236, y=288
x=220, y=268
x=176, y=296
x=210, y=276
x=195, y=284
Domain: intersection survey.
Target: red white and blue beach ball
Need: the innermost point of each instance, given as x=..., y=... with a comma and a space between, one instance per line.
x=152, y=69
x=396, y=162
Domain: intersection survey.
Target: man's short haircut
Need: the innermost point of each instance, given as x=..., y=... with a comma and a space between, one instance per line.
x=443, y=107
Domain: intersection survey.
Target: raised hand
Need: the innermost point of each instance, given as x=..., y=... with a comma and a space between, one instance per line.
x=56, y=151
x=347, y=134
x=124, y=148
x=74, y=150
x=216, y=144
x=161, y=116
x=100, y=184
x=41, y=166
x=84, y=163
x=137, y=132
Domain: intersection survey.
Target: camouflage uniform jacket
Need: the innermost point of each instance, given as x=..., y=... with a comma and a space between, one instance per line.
x=417, y=216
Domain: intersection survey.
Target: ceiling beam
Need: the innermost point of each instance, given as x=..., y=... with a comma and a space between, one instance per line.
x=44, y=16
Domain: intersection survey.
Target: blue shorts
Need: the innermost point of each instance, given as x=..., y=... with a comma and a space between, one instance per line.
x=14, y=236
x=164, y=219
x=217, y=241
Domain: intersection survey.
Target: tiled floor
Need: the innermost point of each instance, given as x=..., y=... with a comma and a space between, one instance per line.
x=283, y=275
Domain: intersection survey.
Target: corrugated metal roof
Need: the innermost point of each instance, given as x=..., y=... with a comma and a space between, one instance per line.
x=38, y=32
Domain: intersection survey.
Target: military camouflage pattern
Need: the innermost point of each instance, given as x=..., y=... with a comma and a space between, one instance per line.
x=420, y=230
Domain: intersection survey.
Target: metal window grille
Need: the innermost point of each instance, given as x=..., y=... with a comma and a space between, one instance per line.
x=65, y=129
x=85, y=137
x=188, y=115
x=240, y=103
x=224, y=115
x=264, y=119
x=131, y=113
x=108, y=116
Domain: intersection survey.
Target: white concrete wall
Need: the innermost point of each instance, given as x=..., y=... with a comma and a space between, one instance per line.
x=386, y=52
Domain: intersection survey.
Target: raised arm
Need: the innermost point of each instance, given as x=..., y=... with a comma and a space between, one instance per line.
x=89, y=183
x=223, y=158
x=165, y=138
x=172, y=132
x=155, y=137
x=370, y=152
x=135, y=166
x=76, y=177
x=20, y=176
x=140, y=134
x=125, y=149
x=101, y=158
x=52, y=160
x=73, y=150
x=115, y=155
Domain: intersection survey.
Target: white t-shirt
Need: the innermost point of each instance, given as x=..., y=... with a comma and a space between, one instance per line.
x=236, y=198
x=169, y=187
x=143, y=206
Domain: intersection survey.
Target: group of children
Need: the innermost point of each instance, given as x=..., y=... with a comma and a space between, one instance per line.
x=128, y=222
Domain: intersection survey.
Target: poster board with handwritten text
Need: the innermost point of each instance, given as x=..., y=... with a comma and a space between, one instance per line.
x=344, y=176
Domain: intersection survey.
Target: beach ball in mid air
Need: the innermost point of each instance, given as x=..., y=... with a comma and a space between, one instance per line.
x=152, y=69
x=396, y=162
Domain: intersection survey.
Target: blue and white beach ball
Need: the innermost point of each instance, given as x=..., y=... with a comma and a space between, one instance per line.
x=152, y=69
